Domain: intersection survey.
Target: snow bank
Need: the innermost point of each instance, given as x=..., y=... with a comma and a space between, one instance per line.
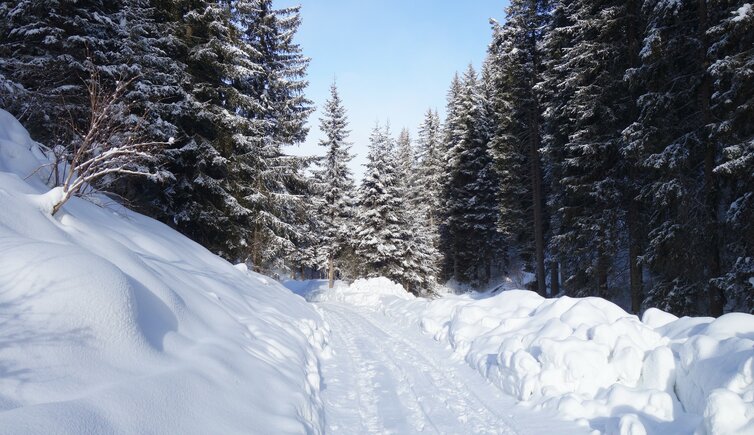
x=111, y=322
x=363, y=292
x=588, y=359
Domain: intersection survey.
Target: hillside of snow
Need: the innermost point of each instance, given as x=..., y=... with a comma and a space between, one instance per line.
x=587, y=359
x=111, y=322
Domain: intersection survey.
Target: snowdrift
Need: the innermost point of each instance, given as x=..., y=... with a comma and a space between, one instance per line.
x=111, y=322
x=587, y=358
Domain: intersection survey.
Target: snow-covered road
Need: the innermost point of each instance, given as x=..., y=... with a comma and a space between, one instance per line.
x=384, y=378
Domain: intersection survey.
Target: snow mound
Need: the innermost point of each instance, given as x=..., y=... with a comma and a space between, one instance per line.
x=588, y=359
x=111, y=322
x=368, y=292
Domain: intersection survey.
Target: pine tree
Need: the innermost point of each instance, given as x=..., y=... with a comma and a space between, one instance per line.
x=494, y=249
x=516, y=142
x=732, y=47
x=203, y=201
x=379, y=229
x=670, y=143
x=335, y=182
x=431, y=165
x=449, y=136
x=275, y=187
x=468, y=196
x=420, y=258
x=587, y=114
x=46, y=51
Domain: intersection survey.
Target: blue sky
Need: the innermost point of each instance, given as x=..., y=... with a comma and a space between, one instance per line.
x=393, y=59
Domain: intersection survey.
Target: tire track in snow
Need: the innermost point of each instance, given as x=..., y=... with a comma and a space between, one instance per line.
x=430, y=393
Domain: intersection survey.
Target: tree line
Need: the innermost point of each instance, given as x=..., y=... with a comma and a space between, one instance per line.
x=623, y=145
x=605, y=147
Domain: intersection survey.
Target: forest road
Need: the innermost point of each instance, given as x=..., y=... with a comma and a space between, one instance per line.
x=385, y=378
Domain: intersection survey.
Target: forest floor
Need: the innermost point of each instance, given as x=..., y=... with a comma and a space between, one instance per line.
x=386, y=378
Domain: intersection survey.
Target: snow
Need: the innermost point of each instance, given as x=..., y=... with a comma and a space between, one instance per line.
x=111, y=322
x=385, y=378
x=587, y=359
x=742, y=12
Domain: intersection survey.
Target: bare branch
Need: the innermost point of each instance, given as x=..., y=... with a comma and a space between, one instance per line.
x=107, y=145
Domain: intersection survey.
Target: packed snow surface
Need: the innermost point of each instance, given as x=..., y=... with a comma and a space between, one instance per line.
x=385, y=377
x=111, y=322
x=586, y=359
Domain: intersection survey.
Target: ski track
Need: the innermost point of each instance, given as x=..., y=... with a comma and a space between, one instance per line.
x=385, y=379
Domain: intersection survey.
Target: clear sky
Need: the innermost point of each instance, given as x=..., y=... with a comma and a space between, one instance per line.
x=393, y=59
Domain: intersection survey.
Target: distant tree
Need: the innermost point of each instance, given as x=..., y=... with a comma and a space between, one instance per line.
x=379, y=230
x=420, y=257
x=335, y=184
x=430, y=154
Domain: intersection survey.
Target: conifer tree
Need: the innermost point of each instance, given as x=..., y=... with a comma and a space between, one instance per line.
x=46, y=51
x=732, y=47
x=468, y=194
x=420, y=258
x=670, y=144
x=587, y=114
x=431, y=165
x=517, y=140
x=335, y=182
x=275, y=187
x=379, y=230
x=203, y=201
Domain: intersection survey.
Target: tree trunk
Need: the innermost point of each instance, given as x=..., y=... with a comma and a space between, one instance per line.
x=536, y=169
x=536, y=187
x=633, y=219
x=255, y=250
x=554, y=278
x=602, y=267
x=330, y=272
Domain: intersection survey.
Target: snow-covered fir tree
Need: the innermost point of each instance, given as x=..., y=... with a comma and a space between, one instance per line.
x=587, y=54
x=732, y=104
x=203, y=202
x=470, y=190
x=516, y=140
x=670, y=144
x=430, y=153
x=380, y=233
x=46, y=50
x=335, y=185
x=275, y=187
x=420, y=259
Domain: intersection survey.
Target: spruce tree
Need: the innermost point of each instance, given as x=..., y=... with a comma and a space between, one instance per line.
x=587, y=114
x=203, y=201
x=468, y=196
x=335, y=184
x=420, y=258
x=47, y=49
x=516, y=141
x=670, y=144
x=732, y=47
x=379, y=230
x=431, y=166
x=275, y=188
